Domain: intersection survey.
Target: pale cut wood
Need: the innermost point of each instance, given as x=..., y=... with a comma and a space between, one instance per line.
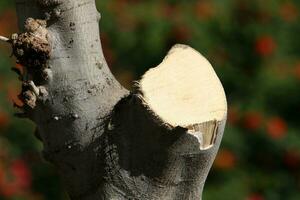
x=184, y=89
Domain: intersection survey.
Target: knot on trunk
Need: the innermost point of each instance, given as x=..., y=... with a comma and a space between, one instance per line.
x=32, y=48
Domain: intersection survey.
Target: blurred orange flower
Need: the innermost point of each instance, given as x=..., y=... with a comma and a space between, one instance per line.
x=276, y=127
x=289, y=11
x=16, y=180
x=204, y=9
x=225, y=160
x=253, y=120
x=265, y=45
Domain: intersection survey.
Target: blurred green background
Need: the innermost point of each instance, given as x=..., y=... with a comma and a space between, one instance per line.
x=254, y=47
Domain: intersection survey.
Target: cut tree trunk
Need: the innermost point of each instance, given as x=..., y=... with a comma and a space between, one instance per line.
x=156, y=142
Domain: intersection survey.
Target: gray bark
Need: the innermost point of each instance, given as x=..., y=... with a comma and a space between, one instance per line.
x=105, y=143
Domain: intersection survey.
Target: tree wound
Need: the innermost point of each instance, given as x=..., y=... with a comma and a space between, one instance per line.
x=185, y=91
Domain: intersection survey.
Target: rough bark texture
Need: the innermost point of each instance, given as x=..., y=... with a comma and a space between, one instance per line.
x=104, y=141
